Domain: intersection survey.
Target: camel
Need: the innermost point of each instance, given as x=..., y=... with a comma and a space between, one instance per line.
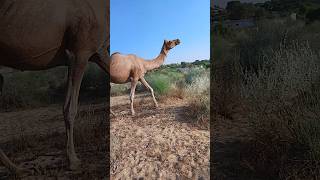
x=1, y=84
x=131, y=68
x=41, y=34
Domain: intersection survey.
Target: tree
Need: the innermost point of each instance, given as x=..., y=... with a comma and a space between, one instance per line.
x=313, y=15
x=237, y=10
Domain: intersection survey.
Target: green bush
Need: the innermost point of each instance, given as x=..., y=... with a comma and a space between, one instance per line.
x=40, y=88
x=160, y=83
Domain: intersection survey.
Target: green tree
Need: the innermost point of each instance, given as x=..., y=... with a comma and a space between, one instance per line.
x=313, y=15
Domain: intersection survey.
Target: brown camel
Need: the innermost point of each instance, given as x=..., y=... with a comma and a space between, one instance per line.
x=1, y=84
x=131, y=68
x=38, y=34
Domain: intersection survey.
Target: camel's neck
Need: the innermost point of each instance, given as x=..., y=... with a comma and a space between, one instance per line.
x=102, y=13
x=158, y=61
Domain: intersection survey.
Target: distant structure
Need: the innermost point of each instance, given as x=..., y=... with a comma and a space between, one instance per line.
x=238, y=24
x=219, y=18
x=293, y=16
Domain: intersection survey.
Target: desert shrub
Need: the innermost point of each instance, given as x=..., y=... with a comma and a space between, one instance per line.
x=30, y=88
x=95, y=83
x=283, y=105
x=119, y=89
x=193, y=74
x=163, y=80
x=197, y=94
x=225, y=85
x=40, y=88
x=160, y=83
x=268, y=35
x=272, y=73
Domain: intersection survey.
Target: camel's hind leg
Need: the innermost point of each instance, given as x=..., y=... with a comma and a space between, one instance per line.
x=133, y=89
x=112, y=113
x=10, y=165
x=1, y=84
x=144, y=82
x=76, y=70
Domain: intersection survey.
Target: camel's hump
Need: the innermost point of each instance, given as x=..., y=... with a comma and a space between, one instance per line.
x=115, y=53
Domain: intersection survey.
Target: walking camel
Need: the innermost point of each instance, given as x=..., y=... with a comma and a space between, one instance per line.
x=131, y=68
x=38, y=34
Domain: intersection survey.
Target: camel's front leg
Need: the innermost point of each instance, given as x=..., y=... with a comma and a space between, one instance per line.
x=75, y=73
x=133, y=89
x=144, y=82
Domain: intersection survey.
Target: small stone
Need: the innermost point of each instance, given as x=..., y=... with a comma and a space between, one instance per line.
x=189, y=174
x=139, y=132
x=172, y=158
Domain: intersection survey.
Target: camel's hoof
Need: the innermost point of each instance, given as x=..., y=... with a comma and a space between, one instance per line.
x=133, y=113
x=75, y=164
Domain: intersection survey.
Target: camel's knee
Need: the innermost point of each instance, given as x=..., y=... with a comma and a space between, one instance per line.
x=151, y=90
x=131, y=98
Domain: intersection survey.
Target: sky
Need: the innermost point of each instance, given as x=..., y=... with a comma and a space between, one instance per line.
x=140, y=27
x=223, y=3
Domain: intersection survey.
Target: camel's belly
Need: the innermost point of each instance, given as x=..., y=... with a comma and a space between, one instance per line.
x=119, y=78
x=16, y=59
x=119, y=70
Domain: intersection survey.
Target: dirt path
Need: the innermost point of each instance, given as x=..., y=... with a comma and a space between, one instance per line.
x=157, y=143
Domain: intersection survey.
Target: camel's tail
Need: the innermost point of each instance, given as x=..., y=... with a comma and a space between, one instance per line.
x=102, y=62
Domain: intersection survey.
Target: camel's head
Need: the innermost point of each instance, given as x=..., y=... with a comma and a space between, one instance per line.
x=171, y=43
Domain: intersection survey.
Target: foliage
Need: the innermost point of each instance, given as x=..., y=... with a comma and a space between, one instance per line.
x=40, y=88
x=313, y=15
x=198, y=95
x=270, y=76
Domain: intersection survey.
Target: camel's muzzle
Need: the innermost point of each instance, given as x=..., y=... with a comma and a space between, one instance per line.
x=177, y=42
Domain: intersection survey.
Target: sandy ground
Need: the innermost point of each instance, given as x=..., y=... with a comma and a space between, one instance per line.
x=35, y=139
x=157, y=143
x=160, y=143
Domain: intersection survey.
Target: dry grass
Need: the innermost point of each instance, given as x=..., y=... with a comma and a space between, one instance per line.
x=197, y=95
x=283, y=100
x=271, y=77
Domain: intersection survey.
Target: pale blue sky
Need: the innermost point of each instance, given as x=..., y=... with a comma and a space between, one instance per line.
x=140, y=26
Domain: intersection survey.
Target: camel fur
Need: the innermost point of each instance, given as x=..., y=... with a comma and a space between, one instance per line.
x=37, y=35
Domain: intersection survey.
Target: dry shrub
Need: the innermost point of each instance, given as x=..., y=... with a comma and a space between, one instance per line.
x=225, y=81
x=91, y=128
x=283, y=97
x=197, y=94
x=119, y=89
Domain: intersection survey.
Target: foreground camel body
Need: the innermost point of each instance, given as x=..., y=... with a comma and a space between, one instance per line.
x=1, y=84
x=38, y=34
x=131, y=68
